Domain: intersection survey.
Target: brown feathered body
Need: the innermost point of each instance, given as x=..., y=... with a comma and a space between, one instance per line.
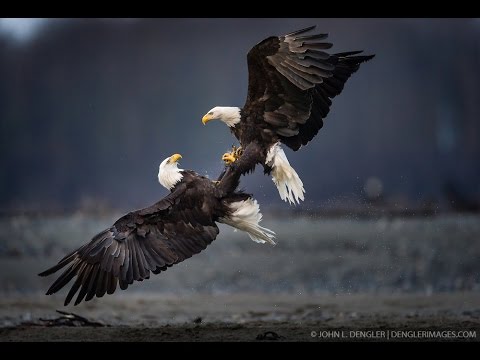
x=149, y=240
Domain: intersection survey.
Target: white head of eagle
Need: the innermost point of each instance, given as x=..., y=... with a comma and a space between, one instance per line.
x=230, y=115
x=168, y=172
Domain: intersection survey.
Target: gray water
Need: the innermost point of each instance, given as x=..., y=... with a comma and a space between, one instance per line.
x=313, y=255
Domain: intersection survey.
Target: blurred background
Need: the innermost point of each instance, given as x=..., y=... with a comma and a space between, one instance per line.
x=90, y=107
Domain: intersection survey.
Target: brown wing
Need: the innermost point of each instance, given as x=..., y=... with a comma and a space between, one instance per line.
x=292, y=80
x=144, y=241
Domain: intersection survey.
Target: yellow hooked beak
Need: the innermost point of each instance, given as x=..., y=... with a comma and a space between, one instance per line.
x=174, y=158
x=206, y=118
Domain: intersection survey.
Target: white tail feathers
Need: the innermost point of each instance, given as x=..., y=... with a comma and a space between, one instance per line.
x=246, y=216
x=286, y=179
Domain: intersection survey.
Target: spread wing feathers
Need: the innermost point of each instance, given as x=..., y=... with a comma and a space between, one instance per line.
x=301, y=59
x=296, y=56
x=148, y=240
x=345, y=65
x=292, y=80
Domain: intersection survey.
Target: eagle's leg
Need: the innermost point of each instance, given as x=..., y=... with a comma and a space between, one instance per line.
x=238, y=152
x=232, y=156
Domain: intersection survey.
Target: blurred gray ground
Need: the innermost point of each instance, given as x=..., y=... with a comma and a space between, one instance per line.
x=412, y=274
x=249, y=317
x=313, y=255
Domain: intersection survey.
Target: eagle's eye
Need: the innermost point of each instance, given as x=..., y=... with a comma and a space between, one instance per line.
x=210, y=113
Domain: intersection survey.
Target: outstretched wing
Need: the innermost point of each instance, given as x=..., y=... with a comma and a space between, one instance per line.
x=144, y=241
x=292, y=80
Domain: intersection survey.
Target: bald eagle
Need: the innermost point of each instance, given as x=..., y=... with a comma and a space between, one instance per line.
x=291, y=81
x=152, y=239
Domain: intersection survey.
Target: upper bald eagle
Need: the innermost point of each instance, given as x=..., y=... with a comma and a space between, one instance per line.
x=291, y=81
x=152, y=239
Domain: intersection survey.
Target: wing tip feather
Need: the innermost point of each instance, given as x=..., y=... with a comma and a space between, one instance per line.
x=301, y=31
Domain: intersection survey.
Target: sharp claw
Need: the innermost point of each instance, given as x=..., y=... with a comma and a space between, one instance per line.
x=228, y=158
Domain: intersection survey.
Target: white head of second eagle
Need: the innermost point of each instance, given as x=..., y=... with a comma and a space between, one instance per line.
x=230, y=115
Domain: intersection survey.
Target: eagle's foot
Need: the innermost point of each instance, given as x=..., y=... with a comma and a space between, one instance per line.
x=229, y=158
x=232, y=156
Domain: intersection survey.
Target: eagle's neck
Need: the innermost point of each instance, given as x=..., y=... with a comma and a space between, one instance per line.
x=169, y=175
x=230, y=115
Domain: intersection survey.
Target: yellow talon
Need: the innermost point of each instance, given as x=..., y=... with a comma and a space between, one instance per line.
x=229, y=158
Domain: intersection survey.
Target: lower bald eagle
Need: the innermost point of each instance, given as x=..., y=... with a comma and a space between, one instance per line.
x=152, y=239
x=291, y=81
